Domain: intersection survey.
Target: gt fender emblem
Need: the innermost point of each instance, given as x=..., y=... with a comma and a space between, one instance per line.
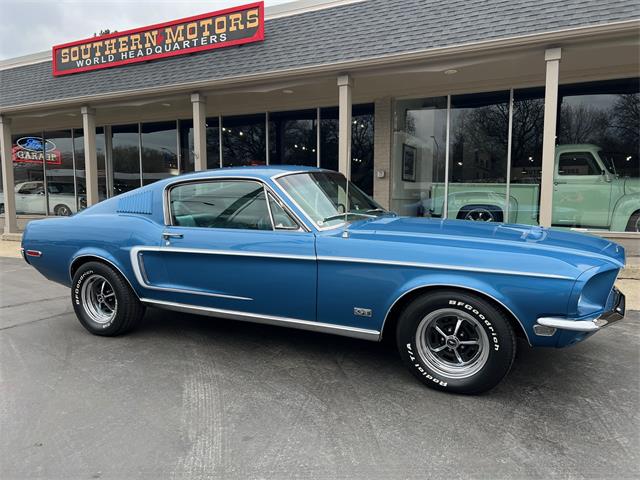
x=362, y=312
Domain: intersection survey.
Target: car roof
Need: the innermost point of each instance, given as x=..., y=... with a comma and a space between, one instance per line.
x=578, y=146
x=263, y=172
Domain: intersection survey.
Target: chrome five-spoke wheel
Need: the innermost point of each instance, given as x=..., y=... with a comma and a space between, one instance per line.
x=99, y=299
x=480, y=215
x=452, y=343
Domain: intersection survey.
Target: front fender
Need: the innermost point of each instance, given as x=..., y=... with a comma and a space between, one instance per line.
x=519, y=295
x=626, y=206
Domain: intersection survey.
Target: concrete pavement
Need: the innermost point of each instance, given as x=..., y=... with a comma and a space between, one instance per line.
x=195, y=397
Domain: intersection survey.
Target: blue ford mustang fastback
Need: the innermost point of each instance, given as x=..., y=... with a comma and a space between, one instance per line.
x=303, y=248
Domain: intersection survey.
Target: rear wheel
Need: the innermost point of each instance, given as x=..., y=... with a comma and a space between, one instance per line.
x=456, y=342
x=633, y=225
x=103, y=301
x=481, y=213
x=62, y=210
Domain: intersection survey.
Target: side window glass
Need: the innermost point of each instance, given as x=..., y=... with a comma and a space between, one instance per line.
x=220, y=204
x=281, y=219
x=577, y=163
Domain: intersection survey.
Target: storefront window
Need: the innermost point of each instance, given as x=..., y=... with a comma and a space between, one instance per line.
x=526, y=155
x=59, y=174
x=479, y=133
x=596, y=177
x=187, y=148
x=362, y=130
x=81, y=183
x=159, y=151
x=1, y=189
x=125, y=141
x=213, y=143
x=293, y=138
x=29, y=158
x=244, y=140
x=419, y=147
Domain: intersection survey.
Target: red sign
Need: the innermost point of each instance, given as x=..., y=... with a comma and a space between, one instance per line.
x=20, y=155
x=224, y=28
x=35, y=150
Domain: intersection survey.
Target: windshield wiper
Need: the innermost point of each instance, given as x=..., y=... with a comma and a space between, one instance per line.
x=376, y=210
x=342, y=215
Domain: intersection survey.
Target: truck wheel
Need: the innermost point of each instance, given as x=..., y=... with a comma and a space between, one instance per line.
x=634, y=223
x=481, y=213
x=456, y=342
x=103, y=301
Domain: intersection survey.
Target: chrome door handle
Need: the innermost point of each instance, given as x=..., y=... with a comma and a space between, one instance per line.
x=167, y=235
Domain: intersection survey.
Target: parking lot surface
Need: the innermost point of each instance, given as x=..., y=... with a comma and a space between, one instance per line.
x=196, y=397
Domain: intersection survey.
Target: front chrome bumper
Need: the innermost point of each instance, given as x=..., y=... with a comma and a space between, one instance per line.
x=588, y=325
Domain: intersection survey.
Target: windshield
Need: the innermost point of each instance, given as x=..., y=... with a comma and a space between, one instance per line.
x=607, y=159
x=322, y=197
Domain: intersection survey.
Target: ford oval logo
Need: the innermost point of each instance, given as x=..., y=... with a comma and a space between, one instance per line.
x=34, y=144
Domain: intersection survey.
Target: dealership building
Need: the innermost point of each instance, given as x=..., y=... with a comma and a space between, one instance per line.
x=513, y=111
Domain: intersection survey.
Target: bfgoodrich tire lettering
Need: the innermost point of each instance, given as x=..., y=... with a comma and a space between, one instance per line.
x=456, y=342
x=103, y=300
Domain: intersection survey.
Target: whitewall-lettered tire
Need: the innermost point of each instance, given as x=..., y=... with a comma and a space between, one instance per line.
x=456, y=342
x=103, y=301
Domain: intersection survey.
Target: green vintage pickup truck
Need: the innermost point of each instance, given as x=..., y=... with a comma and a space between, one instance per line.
x=587, y=193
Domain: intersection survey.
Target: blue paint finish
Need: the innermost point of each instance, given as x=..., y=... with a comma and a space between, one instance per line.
x=322, y=275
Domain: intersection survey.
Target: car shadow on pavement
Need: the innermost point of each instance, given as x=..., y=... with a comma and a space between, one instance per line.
x=544, y=371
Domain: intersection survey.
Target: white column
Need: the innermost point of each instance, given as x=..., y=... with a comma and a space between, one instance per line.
x=90, y=154
x=552, y=59
x=8, y=187
x=382, y=148
x=344, y=125
x=199, y=104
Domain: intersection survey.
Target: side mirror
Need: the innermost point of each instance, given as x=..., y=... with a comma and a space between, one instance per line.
x=606, y=176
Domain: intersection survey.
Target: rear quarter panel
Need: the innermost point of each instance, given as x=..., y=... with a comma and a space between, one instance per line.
x=108, y=236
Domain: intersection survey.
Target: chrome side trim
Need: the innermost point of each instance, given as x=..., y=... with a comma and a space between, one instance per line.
x=463, y=287
x=232, y=253
x=440, y=267
x=140, y=273
x=353, y=332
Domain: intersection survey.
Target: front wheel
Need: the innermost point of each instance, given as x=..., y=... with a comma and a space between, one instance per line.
x=103, y=301
x=456, y=342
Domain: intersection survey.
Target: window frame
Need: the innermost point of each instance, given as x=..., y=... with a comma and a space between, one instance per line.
x=168, y=219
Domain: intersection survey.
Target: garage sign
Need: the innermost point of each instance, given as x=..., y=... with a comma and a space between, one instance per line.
x=36, y=150
x=224, y=28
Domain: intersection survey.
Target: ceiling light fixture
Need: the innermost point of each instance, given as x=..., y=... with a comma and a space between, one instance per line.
x=288, y=91
x=451, y=71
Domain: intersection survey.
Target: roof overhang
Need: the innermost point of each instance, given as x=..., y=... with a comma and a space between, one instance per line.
x=360, y=66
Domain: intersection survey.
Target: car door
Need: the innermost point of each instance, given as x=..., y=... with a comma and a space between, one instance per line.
x=232, y=245
x=581, y=192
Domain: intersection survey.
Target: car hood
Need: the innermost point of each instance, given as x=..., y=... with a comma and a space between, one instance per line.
x=572, y=247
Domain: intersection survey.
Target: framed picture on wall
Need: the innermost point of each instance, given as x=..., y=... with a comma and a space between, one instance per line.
x=408, y=163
